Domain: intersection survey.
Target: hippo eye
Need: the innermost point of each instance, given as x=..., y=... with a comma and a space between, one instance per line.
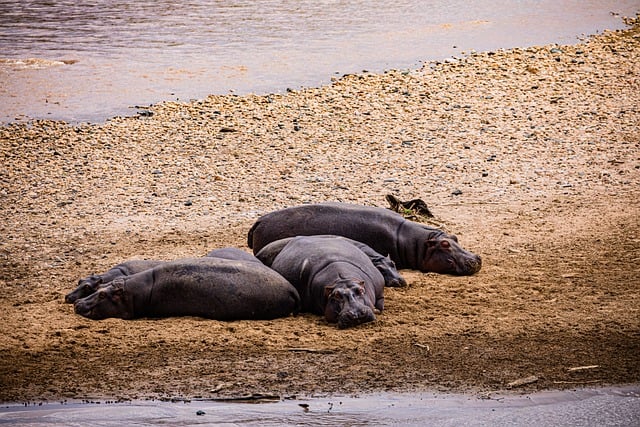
x=336, y=296
x=101, y=295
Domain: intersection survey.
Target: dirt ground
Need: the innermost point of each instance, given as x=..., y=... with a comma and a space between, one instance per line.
x=531, y=156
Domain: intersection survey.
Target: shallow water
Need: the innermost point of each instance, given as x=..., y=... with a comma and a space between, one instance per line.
x=87, y=61
x=586, y=407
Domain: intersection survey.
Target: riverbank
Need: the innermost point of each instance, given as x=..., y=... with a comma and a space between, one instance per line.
x=529, y=155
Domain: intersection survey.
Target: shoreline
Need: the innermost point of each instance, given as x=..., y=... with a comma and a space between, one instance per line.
x=529, y=155
x=66, y=99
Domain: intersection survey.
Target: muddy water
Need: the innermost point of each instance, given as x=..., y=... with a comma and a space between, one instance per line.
x=585, y=407
x=87, y=61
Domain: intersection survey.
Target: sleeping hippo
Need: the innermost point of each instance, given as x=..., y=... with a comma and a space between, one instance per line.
x=333, y=277
x=408, y=244
x=208, y=287
x=90, y=284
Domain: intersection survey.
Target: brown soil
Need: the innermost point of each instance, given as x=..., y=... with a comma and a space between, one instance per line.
x=531, y=156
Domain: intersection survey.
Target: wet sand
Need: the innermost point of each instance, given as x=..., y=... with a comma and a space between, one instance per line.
x=529, y=155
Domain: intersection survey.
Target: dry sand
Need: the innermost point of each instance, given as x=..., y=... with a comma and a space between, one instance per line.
x=531, y=156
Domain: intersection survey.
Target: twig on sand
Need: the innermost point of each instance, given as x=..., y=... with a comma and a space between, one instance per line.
x=583, y=368
x=523, y=381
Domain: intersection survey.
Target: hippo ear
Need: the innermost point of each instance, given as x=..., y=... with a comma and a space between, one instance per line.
x=328, y=289
x=430, y=243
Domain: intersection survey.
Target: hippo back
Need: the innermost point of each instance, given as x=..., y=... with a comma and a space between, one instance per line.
x=233, y=254
x=362, y=223
x=408, y=244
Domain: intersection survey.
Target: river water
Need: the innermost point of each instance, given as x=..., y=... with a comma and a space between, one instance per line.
x=90, y=60
x=584, y=407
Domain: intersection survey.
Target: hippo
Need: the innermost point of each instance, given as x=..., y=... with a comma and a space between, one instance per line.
x=333, y=278
x=386, y=267
x=90, y=284
x=409, y=244
x=208, y=287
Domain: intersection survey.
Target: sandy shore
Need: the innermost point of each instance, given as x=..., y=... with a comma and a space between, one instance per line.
x=531, y=156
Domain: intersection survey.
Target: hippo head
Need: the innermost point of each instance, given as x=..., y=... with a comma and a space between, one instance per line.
x=347, y=303
x=108, y=301
x=443, y=254
x=85, y=288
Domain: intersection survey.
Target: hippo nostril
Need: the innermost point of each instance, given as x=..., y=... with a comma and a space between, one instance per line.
x=475, y=264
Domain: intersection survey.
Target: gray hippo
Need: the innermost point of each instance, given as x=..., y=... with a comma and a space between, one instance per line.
x=208, y=287
x=384, y=264
x=90, y=284
x=333, y=277
x=408, y=244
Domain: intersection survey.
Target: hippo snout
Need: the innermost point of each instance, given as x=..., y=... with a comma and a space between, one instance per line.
x=80, y=308
x=473, y=265
x=350, y=318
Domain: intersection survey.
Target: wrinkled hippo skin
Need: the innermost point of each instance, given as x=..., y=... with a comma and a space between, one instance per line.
x=333, y=277
x=212, y=288
x=408, y=244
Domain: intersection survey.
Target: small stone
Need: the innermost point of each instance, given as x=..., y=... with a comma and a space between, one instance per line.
x=200, y=412
x=456, y=192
